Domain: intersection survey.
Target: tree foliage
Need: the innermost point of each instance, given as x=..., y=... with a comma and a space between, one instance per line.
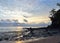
x=55, y=17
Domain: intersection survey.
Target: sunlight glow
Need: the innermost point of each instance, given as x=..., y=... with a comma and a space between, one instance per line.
x=38, y=19
x=19, y=42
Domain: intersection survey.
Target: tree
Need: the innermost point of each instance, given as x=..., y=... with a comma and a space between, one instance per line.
x=58, y=4
x=55, y=17
x=52, y=14
x=53, y=11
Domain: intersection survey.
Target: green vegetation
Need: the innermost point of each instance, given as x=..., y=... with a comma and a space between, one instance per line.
x=55, y=18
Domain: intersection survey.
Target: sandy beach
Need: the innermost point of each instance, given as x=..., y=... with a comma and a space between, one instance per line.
x=50, y=39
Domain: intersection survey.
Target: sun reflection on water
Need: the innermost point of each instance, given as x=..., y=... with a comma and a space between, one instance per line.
x=19, y=42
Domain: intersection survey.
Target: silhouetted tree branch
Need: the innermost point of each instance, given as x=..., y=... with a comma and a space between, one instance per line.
x=55, y=17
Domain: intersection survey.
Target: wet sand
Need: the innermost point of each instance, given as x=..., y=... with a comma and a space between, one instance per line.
x=51, y=39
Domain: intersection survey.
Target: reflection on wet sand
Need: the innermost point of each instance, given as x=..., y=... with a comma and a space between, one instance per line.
x=19, y=42
x=50, y=39
x=11, y=41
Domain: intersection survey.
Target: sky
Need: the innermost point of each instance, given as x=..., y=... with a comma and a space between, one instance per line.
x=27, y=11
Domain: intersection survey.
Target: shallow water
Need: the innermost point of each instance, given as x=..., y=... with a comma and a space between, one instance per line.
x=11, y=42
x=19, y=36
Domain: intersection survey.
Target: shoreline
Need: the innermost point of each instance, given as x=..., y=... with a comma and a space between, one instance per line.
x=50, y=39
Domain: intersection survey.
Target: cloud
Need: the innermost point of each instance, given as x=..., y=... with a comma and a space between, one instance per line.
x=31, y=6
x=16, y=23
x=8, y=13
x=25, y=20
x=17, y=8
x=36, y=7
